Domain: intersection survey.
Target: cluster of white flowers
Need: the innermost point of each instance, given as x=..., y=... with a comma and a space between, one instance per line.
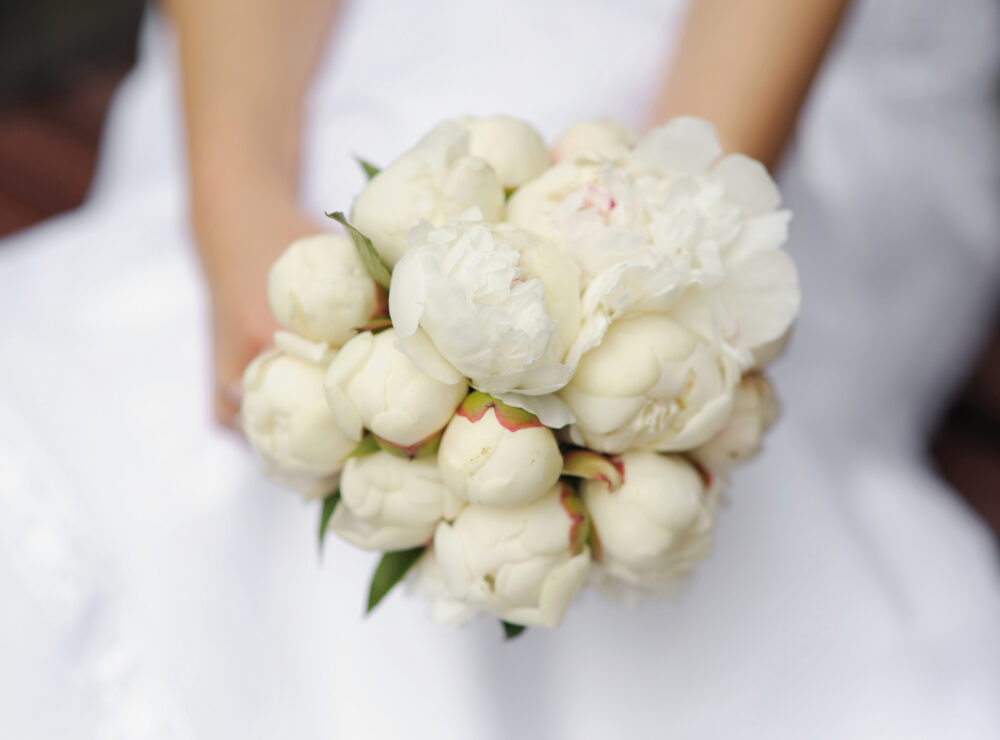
x=525, y=368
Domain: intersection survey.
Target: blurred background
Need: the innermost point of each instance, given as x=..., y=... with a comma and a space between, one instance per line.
x=60, y=61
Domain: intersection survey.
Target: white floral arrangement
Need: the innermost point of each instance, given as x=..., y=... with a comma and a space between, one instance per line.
x=523, y=370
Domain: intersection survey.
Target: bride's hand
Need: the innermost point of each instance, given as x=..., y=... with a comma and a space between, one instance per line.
x=238, y=245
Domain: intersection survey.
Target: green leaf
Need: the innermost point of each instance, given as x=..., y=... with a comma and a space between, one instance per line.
x=329, y=505
x=510, y=630
x=370, y=169
x=369, y=255
x=390, y=571
x=368, y=446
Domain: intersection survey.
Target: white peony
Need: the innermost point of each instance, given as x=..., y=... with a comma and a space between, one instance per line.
x=391, y=503
x=601, y=136
x=650, y=384
x=435, y=181
x=500, y=305
x=371, y=384
x=288, y=423
x=698, y=233
x=424, y=579
x=320, y=289
x=657, y=525
x=524, y=565
x=755, y=409
x=494, y=454
x=513, y=148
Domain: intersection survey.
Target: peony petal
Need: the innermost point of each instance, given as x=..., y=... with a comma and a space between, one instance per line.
x=407, y=294
x=422, y=353
x=551, y=410
x=685, y=145
x=748, y=183
x=759, y=234
x=763, y=297
x=305, y=349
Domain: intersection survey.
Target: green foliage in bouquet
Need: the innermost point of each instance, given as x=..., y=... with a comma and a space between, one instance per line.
x=370, y=169
x=369, y=255
x=329, y=506
x=390, y=571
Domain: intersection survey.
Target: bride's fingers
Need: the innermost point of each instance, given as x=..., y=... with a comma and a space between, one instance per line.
x=228, y=395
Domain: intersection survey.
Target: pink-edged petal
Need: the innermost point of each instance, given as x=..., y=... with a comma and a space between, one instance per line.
x=552, y=411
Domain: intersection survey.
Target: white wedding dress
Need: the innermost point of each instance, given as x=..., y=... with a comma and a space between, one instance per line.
x=154, y=585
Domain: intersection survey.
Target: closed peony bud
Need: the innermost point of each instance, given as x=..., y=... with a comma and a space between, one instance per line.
x=514, y=149
x=524, y=565
x=390, y=503
x=443, y=608
x=499, y=304
x=755, y=409
x=435, y=181
x=320, y=289
x=371, y=384
x=651, y=384
x=498, y=455
x=657, y=525
x=600, y=136
x=288, y=423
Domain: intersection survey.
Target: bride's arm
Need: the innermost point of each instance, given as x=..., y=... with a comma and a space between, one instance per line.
x=747, y=67
x=246, y=66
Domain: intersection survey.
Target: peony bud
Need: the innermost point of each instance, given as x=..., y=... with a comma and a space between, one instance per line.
x=499, y=304
x=650, y=384
x=288, y=423
x=320, y=289
x=514, y=149
x=524, y=565
x=435, y=181
x=371, y=384
x=657, y=525
x=755, y=409
x=498, y=455
x=390, y=503
x=600, y=136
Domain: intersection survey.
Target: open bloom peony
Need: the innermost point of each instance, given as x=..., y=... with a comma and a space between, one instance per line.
x=705, y=226
x=525, y=565
x=657, y=525
x=492, y=453
x=513, y=148
x=320, y=289
x=371, y=384
x=435, y=181
x=289, y=424
x=391, y=503
x=499, y=304
x=755, y=409
x=651, y=384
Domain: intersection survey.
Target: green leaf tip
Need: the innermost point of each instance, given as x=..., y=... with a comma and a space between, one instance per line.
x=390, y=571
x=370, y=257
x=329, y=505
x=511, y=630
x=370, y=169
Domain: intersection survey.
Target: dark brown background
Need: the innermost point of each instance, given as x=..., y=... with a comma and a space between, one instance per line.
x=60, y=61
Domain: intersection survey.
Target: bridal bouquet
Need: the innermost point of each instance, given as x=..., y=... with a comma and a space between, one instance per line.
x=523, y=370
